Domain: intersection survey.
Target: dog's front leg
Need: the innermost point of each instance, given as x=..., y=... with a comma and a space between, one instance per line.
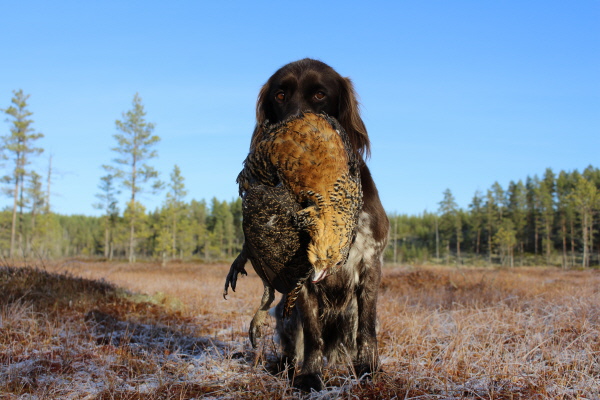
x=311, y=376
x=367, y=358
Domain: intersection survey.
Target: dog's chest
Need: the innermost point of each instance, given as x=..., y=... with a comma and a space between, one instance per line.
x=364, y=248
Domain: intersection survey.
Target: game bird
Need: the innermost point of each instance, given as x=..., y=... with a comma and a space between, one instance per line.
x=301, y=197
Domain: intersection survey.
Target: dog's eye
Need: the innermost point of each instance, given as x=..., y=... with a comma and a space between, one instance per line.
x=280, y=96
x=319, y=95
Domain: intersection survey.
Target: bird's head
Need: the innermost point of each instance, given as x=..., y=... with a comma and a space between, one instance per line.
x=329, y=242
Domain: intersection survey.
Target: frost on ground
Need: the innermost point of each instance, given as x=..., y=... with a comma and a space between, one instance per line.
x=165, y=333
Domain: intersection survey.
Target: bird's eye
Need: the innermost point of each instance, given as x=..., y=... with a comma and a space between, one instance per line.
x=280, y=96
x=319, y=95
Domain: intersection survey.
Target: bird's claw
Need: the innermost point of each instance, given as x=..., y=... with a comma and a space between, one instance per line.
x=237, y=267
x=256, y=324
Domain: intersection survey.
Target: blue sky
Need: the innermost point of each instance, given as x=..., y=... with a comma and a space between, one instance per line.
x=455, y=94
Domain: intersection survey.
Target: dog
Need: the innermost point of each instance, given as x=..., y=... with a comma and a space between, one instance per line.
x=335, y=318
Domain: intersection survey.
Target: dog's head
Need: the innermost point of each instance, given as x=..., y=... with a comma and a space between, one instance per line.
x=313, y=86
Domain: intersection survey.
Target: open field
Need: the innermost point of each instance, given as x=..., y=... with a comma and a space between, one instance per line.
x=147, y=332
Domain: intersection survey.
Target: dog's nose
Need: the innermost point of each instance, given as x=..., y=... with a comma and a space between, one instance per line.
x=298, y=106
x=298, y=109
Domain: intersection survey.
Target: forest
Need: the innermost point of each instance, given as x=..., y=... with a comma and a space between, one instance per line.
x=547, y=220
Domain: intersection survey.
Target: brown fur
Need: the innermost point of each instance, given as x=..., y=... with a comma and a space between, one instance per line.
x=336, y=316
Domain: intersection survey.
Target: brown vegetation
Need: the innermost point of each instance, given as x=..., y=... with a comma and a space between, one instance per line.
x=146, y=332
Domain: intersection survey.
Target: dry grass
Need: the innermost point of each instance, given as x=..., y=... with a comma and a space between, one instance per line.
x=79, y=330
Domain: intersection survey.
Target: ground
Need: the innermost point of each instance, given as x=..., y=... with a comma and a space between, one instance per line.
x=89, y=330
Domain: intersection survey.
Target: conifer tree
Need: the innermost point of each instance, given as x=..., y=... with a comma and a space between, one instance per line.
x=505, y=239
x=451, y=219
x=175, y=204
x=476, y=207
x=517, y=212
x=566, y=215
x=586, y=200
x=36, y=201
x=533, y=210
x=199, y=215
x=109, y=204
x=135, y=143
x=491, y=220
x=545, y=194
x=20, y=146
x=499, y=199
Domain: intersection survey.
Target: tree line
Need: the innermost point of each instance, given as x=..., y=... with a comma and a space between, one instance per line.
x=177, y=229
x=547, y=220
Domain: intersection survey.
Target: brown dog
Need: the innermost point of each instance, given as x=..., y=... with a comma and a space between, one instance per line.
x=336, y=317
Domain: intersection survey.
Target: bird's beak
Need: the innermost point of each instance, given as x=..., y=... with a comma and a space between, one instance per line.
x=319, y=275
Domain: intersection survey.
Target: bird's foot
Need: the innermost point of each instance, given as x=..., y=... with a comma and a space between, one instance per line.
x=256, y=324
x=237, y=267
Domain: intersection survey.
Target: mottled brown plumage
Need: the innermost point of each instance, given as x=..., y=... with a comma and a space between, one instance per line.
x=275, y=245
x=301, y=197
x=310, y=156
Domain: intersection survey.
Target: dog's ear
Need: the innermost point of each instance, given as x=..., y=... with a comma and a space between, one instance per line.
x=263, y=113
x=263, y=107
x=349, y=118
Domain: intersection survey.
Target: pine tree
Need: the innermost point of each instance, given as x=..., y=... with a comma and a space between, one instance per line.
x=545, y=194
x=175, y=204
x=517, y=212
x=586, y=200
x=477, y=218
x=499, y=199
x=533, y=210
x=135, y=143
x=20, y=147
x=566, y=214
x=491, y=220
x=451, y=220
x=109, y=204
x=593, y=175
x=198, y=215
x=505, y=239
x=36, y=201
x=163, y=241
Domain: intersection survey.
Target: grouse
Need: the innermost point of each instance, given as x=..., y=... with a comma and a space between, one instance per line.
x=301, y=195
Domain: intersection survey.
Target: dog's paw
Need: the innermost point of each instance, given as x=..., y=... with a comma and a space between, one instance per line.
x=366, y=370
x=308, y=382
x=282, y=365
